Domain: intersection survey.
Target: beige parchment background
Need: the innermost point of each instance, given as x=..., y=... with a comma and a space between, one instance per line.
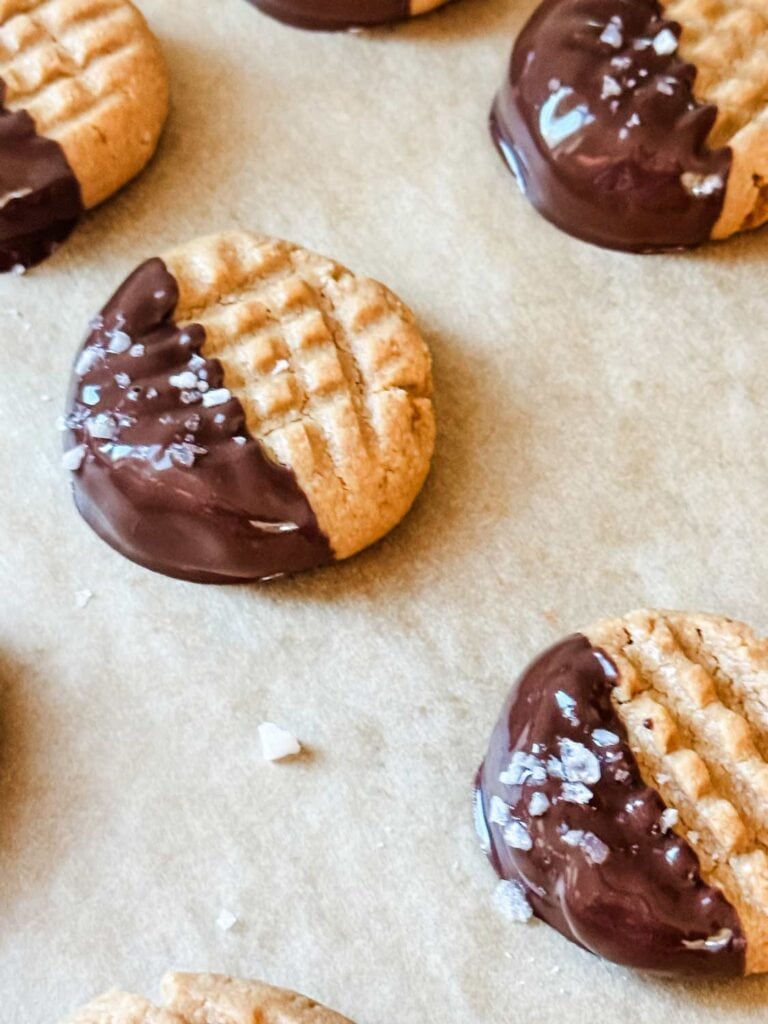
x=604, y=427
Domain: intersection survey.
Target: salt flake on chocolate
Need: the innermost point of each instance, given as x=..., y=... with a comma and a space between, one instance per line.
x=510, y=899
x=665, y=42
x=523, y=768
x=613, y=33
x=576, y=793
x=517, y=836
x=579, y=764
x=538, y=805
x=499, y=812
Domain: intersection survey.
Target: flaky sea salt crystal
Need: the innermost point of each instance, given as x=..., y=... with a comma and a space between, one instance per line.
x=567, y=705
x=226, y=920
x=509, y=899
x=669, y=818
x=605, y=738
x=119, y=342
x=277, y=743
x=613, y=33
x=701, y=186
x=498, y=811
x=102, y=426
x=610, y=87
x=665, y=42
x=91, y=394
x=216, y=397
x=538, y=805
x=137, y=350
x=573, y=837
x=73, y=459
x=83, y=598
x=594, y=848
x=185, y=381
x=517, y=836
x=87, y=359
x=579, y=764
x=523, y=767
x=576, y=793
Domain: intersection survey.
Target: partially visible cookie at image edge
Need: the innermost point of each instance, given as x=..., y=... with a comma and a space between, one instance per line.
x=208, y=999
x=640, y=124
x=624, y=795
x=83, y=99
x=343, y=14
x=244, y=408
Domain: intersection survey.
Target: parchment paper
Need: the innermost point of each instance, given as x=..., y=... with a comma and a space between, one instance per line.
x=602, y=446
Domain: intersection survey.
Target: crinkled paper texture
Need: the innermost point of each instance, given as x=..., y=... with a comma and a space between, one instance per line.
x=603, y=428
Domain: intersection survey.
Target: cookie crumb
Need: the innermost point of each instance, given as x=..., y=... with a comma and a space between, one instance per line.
x=277, y=743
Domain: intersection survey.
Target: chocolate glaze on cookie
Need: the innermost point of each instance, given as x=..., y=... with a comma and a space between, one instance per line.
x=164, y=468
x=564, y=812
x=41, y=201
x=334, y=14
x=597, y=119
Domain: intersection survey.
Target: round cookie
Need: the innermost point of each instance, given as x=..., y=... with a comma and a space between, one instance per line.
x=244, y=408
x=624, y=795
x=208, y=999
x=344, y=14
x=640, y=124
x=83, y=99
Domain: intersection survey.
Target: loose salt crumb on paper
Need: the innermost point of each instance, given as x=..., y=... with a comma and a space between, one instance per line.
x=83, y=598
x=19, y=269
x=509, y=898
x=226, y=920
x=277, y=743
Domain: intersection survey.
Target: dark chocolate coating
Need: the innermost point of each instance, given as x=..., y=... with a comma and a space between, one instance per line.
x=603, y=132
x=172, y=483
x=45, y=201
x=334, y=14
x=626, y=889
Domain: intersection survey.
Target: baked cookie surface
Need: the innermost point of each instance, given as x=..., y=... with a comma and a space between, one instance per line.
x=640, y=124
x=623, y=796
x=343, y=14
x=84, y=96
x=208, y=999
x=244, y=408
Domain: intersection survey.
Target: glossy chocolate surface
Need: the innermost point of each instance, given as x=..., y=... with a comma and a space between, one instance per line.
x=40, y=200
x=597, y=119
x=163, y=466
x=334, y=14
x=569, y=817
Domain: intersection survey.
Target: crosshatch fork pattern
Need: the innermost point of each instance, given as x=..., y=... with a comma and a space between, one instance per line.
x=727, y=41
x=90, y=74
x=332, y=372
x=693, y=694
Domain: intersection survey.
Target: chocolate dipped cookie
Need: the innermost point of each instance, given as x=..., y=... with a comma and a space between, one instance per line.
x=83, y=99
x=243, y=408
x=624, y=795
x=344, y=14
x=640, y=124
